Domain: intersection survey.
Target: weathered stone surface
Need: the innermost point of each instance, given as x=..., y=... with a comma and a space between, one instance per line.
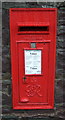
x=58, y=112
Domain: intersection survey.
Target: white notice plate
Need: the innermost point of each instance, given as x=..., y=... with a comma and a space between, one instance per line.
x=32, y=61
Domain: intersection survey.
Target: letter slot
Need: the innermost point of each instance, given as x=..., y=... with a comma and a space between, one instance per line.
x=34, y=28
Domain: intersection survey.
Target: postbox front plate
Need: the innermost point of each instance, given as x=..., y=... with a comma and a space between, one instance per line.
x=33, y=46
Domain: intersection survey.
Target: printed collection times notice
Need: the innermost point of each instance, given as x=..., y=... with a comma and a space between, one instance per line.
x=32, y=61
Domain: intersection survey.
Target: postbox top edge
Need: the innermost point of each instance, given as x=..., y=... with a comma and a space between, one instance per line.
x=33, y=9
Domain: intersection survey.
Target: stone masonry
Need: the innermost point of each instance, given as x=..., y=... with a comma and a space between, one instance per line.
x=59, y=111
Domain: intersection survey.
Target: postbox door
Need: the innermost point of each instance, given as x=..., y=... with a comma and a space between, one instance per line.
x=33, y=72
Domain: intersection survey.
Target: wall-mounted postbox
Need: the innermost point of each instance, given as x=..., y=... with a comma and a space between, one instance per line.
x=33, y=51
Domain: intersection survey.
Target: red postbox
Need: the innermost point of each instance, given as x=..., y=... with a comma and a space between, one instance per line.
x=33, y=51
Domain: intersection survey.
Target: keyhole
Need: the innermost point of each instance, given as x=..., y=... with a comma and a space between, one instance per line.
x=24, y=78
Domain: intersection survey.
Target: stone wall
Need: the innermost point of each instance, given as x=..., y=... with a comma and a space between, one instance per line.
x=7, y=111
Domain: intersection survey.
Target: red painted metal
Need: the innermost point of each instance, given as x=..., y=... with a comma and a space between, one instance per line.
x=33, y=25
